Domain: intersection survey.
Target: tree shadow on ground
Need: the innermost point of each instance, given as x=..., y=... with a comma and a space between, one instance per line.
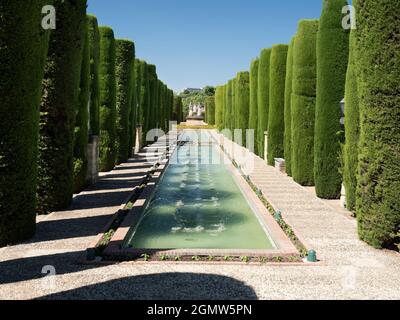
x=29, y=268
x=162, y=286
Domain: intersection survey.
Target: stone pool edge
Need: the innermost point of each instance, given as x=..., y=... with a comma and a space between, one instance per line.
x=115, y=251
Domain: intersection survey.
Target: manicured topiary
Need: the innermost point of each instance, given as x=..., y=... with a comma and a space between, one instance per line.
x=228, y=106
x=23, y=48
x=276, y=115
x=303, y=102
x=263, y=98
x=132, y=110
x=288, y=110
x=210, y=107
x=58, y=107
x=144, y=99
x=332, y=59
x=222, y=127
x=94, y=51
x=151, y=122
x=253, y=117
x=178, y=106
x=107, y=99
x=124, y=59
x=352, y=130
x=243, y=102
x=82, y=119
x=234, y=121
x=219, y=93
x=378, y=69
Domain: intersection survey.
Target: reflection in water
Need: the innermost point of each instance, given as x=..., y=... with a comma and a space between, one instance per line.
x=199, y=205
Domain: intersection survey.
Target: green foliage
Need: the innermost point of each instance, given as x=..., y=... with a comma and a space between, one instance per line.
x=94, y=51
x=253, y=117
x=303, y=102
x=150, y=119
x=196, y=97
x=352, y=130
x=124, y=60
x=332, y=59
x=20, y=93
x=219, y=94
x=263, y=97
x=228, y=106
x=210, y=108
x=243, y=103
x=288, y=110
x=58, y=107
x=276, y=121
x=178, y=108
x=82, y=119
x=133, y=109
x=107, y=99
x=378, y=72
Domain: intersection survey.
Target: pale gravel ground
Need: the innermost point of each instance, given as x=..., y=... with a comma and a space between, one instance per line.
x=349, y=268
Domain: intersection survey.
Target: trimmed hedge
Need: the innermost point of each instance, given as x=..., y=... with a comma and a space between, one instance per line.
x=144, y=99
x=219, y=92
x=23, y=47
x=58, y=107
x=178, y=108
x=288, y=110
x=133, y=110
x=332, y=59
x=276, y=121
x=303, y=102
x=378, y=69
x=107, y=99
x=82, y=119
x=124, y=59
x=352, y=130
x=263, y=98
x=94, y=51
x=228, y=106
x=235, y=117
x=210, y=105
x=243, y=102
x=153, y=86
x=253, y=117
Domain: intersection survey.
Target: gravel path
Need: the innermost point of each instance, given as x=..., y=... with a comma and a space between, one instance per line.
x=349, y=269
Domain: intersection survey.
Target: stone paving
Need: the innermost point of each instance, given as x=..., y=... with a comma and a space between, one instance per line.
x=349, y=269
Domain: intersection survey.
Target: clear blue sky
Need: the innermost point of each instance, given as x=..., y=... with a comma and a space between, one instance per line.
x=199, y=43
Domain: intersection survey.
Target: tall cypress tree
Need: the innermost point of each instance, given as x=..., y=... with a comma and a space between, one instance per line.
x=218, y=106
x=352, y=129
x=210, y=105
x=276, y=121
x=94, y=98
x=288, y=110
x=124, y=59
x=263, y=98
x=133, y=109
x=253, y=118
x=23, y=46
x=107, y=99
x=332, y=59
x=303, y=102
x=243, y=102
x=228, y=106
x=58, y=107
x=82, y=119
x=378, y=69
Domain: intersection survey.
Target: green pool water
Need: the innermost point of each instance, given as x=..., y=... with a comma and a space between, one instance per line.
x=198, y=206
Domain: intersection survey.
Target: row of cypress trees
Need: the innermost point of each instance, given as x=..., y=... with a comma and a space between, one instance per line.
x=81, y=82
x=295, y=95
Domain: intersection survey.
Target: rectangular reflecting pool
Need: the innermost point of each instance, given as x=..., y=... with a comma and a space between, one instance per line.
x=199, y=205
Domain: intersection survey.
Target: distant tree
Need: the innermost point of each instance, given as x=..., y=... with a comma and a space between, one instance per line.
x=209, y=91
